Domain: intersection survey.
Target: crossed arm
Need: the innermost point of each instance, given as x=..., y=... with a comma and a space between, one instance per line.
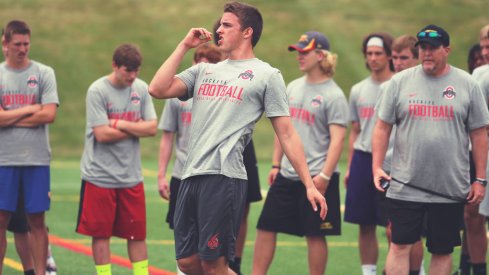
x=118, y=130
x=29, y=116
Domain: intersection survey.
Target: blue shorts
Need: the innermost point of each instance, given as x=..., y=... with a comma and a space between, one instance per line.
x=363, y=203
x=35, y=182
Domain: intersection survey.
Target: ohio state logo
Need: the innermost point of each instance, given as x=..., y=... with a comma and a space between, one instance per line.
x=135, y=98
x=316, y=101
x=213, y=242
x=32, y=81
x=449, y=93
x=248, y=74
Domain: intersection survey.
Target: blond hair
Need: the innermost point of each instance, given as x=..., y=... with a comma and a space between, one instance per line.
x=328, y=63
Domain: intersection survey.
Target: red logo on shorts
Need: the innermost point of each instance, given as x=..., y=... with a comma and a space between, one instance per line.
x=213, y=243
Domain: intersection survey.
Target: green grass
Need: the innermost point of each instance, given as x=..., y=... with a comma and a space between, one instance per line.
x=78, y=37
x=290, y=257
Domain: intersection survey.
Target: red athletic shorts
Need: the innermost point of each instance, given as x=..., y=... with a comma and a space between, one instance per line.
x=106, y=212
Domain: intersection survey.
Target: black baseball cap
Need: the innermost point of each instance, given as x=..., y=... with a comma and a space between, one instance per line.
x=310, y=41
x=433, y=35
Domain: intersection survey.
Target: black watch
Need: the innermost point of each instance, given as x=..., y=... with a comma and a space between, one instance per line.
x=483, y=182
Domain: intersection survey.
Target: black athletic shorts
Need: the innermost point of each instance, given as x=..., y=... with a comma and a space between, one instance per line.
x=287, y=209
x=18, y=220
x=443, y=223
x=174, y=186
x=207, y=216
x=249, y=159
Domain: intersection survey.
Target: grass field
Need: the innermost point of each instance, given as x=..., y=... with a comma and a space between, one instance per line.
x=290, y=257
x=77, y=38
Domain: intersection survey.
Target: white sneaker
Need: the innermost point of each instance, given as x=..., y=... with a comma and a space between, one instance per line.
x=50, y=264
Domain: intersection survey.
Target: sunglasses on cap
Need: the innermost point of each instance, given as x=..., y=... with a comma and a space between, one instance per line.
x=431, y=34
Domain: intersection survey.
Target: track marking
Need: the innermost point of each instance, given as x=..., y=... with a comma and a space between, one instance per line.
x=114, y=259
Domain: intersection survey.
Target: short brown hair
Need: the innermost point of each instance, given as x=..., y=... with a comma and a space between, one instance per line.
x=16, y=27
x=405, y=41
x=387, y=43
x=128, y=55
x=208, y=51
x=249, y=17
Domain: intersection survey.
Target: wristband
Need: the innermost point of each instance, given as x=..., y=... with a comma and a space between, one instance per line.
x=483, y=182
x=323, y=176
x=275, y=166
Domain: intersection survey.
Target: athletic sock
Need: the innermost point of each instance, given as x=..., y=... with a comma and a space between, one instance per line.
x=479, y=269
x=421, y=268
x=29, y=272
x=369, y=269
x=413, y=272
x=140, y=268
x=465, y=264
x=236, y=265
x=105, y=269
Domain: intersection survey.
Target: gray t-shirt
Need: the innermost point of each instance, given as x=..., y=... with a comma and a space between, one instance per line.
x=480, y=71
x=434, y=117
x=313, y=107
x=35, y=84
x=229, y=98
x=114, y=164
x=386, y=166
x=363, y=97
x=176, y=118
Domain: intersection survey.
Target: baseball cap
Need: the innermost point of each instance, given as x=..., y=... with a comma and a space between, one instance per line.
x=433, y=35
x=310, y=41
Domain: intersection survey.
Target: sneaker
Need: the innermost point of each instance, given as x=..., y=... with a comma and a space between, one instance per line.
x=50, y=264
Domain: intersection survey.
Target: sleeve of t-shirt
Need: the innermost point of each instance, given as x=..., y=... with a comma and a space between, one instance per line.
x=189, y=76
x=276, y=103
x=48, y=86
x=386, y=107
x=352, y=100
x=148, y=111
x=478, y=114
x=337, y=111
x=96, y=108
x=169, y=117
x=484, y=84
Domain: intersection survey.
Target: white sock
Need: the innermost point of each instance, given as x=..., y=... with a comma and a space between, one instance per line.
x=369, y=269
x=421, y=268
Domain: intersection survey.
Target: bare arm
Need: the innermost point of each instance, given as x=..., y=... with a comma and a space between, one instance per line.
x=46, y=115
x=107, y=134
x=140, y=128
x=293, y=149
x=380, y=142
x=478, y=137
x=354, y=132
x=276, y=159
x=337, y=134
x=166, y=147
x=164, y=83
x=10, y=117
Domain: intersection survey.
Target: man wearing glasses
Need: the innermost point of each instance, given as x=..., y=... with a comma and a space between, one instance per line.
x=437, y=109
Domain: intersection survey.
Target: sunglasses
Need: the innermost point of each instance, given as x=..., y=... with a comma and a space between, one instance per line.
x=432, y=34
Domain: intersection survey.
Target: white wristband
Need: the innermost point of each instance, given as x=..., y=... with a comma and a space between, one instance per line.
x=323, y=176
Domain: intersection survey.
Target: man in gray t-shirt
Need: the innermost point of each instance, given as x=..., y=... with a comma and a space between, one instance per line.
x=475, y=229
x=28, y=103
x=437, y=109
x=112, y=203
x=228, y=98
